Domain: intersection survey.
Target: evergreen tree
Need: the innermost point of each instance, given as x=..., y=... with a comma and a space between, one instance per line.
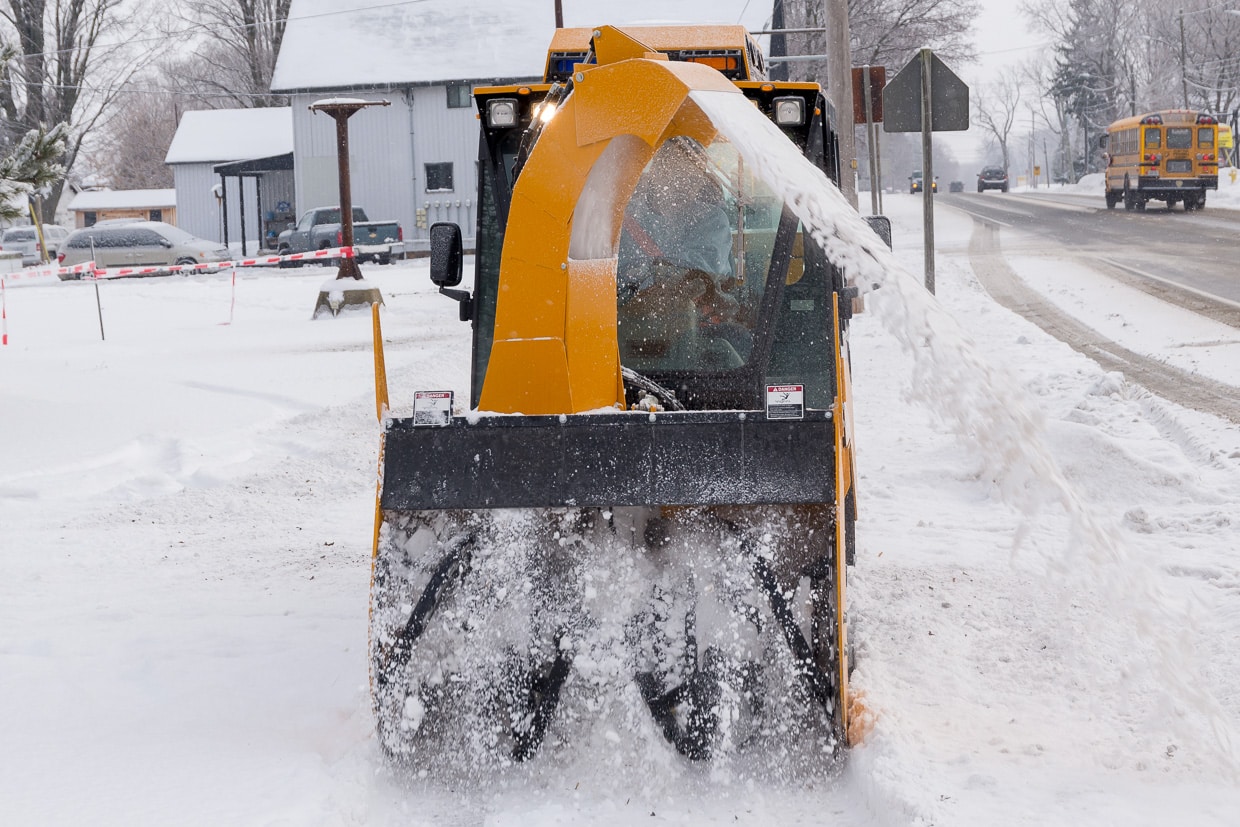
x=34, y=165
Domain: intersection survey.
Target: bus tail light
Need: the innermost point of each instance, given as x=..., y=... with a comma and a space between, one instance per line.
x=1153, y=159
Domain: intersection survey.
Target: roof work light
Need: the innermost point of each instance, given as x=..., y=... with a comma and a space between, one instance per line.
x=502, y=112
x=789, y=111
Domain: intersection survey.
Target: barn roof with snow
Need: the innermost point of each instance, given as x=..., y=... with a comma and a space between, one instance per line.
x=356, y=44
x=214, y=135
x=123, y=199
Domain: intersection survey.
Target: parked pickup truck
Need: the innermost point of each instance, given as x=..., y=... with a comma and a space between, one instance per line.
x=320, y=229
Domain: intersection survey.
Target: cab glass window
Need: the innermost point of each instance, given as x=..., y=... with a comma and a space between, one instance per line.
x=696, y=245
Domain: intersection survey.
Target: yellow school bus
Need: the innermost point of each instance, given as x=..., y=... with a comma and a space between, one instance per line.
x=1169, y=156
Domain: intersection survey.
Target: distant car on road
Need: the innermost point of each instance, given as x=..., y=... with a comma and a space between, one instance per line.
x=139, y=244
x=956, y=186
x=26, y=240
x=992, y=178
x=916, y=183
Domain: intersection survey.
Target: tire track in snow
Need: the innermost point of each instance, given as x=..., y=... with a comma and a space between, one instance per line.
x=1001, y=282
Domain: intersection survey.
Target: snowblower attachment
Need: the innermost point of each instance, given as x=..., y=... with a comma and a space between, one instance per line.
x=652, y=496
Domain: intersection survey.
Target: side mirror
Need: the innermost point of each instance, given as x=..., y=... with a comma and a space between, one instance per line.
x=881, y=225
x=1102, y=141
x=446, y=256
x=446, y=266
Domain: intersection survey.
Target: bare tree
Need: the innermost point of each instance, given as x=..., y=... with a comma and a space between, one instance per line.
x=1051, y=111
x=61, y=73
x=888, y=32
x=132, y=146
x=235, y=61
x=995, y=106
x=1207, y=61
x=882, y=32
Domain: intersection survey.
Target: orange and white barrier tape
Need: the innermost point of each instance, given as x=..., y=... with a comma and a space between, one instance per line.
x=43, y=272
x=261, y=261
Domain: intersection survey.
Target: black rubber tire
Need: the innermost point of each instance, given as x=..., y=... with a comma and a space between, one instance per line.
x=416, y=590
x=284, y=251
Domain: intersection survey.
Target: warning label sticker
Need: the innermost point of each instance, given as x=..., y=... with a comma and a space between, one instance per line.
x=785, y=401
x=432, y=407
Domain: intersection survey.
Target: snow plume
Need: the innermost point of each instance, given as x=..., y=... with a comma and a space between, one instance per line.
x=992, y=416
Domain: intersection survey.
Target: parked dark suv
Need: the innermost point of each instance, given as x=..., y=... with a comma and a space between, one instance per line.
x=992, y=178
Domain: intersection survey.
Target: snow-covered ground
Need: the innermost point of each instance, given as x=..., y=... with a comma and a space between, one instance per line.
x=186, y=512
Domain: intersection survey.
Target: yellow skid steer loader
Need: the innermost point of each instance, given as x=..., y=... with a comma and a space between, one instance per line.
x=641, y=525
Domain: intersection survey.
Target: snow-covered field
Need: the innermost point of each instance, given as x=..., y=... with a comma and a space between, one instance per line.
x=186, y=512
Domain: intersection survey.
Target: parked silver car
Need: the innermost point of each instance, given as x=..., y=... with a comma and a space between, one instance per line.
x=139, y=244
x=26, y=240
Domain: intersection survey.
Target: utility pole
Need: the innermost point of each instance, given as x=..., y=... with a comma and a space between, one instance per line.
x=1183, y=60
x=839, y=92
x=1033, y=153
x=779, y=42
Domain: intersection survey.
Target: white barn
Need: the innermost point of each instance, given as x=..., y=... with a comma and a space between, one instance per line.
x=416, y=159
x=233, y=174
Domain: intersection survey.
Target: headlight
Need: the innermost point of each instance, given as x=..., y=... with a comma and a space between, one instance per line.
x=502, y=113
x=789, y=111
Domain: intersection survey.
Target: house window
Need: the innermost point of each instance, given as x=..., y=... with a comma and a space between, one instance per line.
x=89, y=219
x=459, y=96
x=157, y=215
x=439, y=177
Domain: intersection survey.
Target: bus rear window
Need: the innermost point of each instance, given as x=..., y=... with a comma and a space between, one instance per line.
x=1153, y=138
x=1205, y=137
x=1180, y=137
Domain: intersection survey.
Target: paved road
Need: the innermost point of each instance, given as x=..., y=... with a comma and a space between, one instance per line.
x=1192, y=258
x=1085, y=232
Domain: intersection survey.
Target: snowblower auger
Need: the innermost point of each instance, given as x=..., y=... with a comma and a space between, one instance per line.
x=653, y=492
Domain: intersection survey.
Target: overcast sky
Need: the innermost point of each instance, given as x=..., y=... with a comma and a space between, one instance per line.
x=1003, y=37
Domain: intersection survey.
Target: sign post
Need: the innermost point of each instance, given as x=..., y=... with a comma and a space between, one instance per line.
x=868, y=83
x=926, y=97
x=927, y=165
